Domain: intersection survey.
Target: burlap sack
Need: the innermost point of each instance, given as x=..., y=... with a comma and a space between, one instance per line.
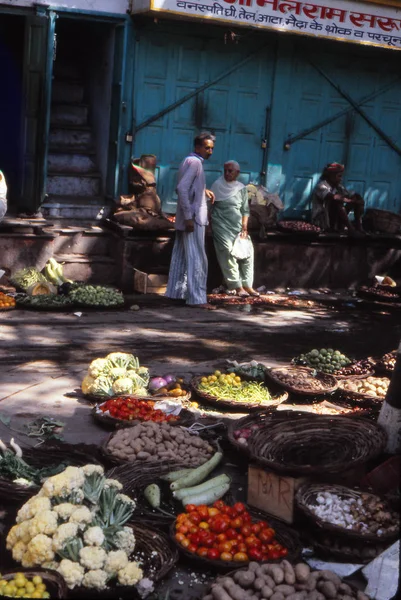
x=140, y=218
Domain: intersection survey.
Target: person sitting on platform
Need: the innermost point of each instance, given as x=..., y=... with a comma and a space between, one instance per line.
x=332, y=202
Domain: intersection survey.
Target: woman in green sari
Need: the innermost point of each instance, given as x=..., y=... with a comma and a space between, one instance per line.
x=229, y=216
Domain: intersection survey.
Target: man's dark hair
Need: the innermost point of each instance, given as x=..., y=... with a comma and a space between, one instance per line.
x=205, y=135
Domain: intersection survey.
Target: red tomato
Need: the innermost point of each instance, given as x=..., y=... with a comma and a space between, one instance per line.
x=246, y=517
x=192, y=548
x=283, y=552
x=226, y=556
x=264, y=524
x=246, y=530
x=218, y=504
x=221, y=538
x=266, y=535
x=203, y=512
x=213, y=554
x=273, y=555
x=252, y=541
x=231, y=512
x=236, y=523
x=240, y=556
x=242, y=547
x=190, y=508
x=209, y=541
x=213, y=512
x=185, y=542
x=255, y=554
x=255, y=528
x=202, y=551
x=225, y=547
x=225, y=509
x=231, y=534
x=193, y=529
x=218, y=524
x=195, y=518
x=239, y=508
x=179, y=537
x=183, y=529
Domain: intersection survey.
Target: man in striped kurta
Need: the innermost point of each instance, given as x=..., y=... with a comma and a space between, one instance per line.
x=188, y=269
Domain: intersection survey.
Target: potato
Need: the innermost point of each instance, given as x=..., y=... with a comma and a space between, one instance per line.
x=330, y=576
x=276, y=572
x=302, y=572
x=259, y=583
x=277, y=596
x=297, y=596
x=253, y=566
x=315, y=595
x=344, y=588
x=245, y=579
x=361, y=596
x=219, y=593
x=289, y=573
x=327, y=588
x=143, y=455
x=267, y=591
x=285, y=589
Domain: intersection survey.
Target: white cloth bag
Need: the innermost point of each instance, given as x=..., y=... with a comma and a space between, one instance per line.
x=3, y=196
x=242, y=248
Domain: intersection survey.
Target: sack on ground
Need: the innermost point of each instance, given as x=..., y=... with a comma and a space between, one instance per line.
x=242, y=248
x=139, y=218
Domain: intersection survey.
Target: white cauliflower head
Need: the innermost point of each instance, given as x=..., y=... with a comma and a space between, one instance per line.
x=130, y=574
x=109, y=483
x=63, y=533
x=125, y=540
x=65, y=483
x=36, y=504
x=92, y=557
x=90, y=469
x=122, y=385
x=28, y=560
x=117, y=373
x=19, y=550
x=95, y=578
x=64, y=510
x=94, y=536
x=40, y=547
x=81, y=515
x=44, y=522
x=72, y=572
x=116, y=560
x=99, y=366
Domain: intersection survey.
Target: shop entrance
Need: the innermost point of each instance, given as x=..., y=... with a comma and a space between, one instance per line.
x=12, y=29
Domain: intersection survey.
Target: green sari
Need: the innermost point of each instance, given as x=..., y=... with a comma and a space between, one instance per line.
x=226, y=217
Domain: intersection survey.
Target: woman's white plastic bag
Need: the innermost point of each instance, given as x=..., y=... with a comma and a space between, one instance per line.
x=3, y=196
x=242, y=248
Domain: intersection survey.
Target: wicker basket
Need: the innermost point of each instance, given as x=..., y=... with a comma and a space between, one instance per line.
x=307, y=494
x=55, y=584
x=235, y=404
x=362, y=400
x=285, y=535
x=377, y=296
x=382, y=221
x=51, y=453
x=329, y=382
x=101, y=399
x=317, y=444
x=332, y=547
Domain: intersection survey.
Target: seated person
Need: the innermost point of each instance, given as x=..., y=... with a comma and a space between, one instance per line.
x=332, y=202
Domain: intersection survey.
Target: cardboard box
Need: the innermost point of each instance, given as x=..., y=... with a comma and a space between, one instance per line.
x=273, y=493
x=149, y=283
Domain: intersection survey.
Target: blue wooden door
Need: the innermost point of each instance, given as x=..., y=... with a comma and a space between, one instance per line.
x=170, y=66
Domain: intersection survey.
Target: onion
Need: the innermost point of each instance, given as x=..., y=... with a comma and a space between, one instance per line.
x=156, y=383
x=169, y=378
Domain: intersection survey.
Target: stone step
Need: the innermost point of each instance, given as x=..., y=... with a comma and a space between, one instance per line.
x=69, y=114
x=73, y=137
x=67, y=91
x=71, y=163
x=72, y=184
x=92, y=208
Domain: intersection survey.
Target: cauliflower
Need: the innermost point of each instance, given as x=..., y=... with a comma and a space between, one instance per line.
x=24, y=482
x=44, y=522
x=72, y=572
x=130, y=574
x=120, y=359
x=51, y=564
x=113, y=483
x=18, y=551
x=81, y=515
x=92, y=557
x=126, y=500
x=64, y=484
x=17, y=533
x=34, y=505
x=99, y=366
x=102, y=387
x=117, y=373
x=122, y=386
x=12, y=537
x=115, y=561
x=63, y=533
x=90, y=469
x=125, y=540
x=95, y=578
x=94, y=536
x=28, y=560
x=40, y=547
x=64, y=510
x=86, y=385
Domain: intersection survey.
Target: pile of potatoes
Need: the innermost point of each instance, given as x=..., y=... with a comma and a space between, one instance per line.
x=300, y=379
x=282, y=582
x=159, y=441
x=371, y=386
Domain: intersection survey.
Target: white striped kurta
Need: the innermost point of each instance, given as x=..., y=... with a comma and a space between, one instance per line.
x=187, y=278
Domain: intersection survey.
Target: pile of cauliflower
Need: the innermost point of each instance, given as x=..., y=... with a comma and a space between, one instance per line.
x=118, y=373
x=75, y=525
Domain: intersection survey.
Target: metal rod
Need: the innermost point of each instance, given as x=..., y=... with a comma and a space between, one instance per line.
x=305, y=132
x=197, y=91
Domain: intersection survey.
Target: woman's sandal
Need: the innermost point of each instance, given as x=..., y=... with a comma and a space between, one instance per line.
x=243, y=295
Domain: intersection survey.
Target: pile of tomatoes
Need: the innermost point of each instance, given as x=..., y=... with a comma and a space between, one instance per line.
x=6, y=301
x=133, y=409
x=226, y=533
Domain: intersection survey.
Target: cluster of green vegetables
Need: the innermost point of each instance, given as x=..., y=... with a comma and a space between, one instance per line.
x=117, y=373
x=243, y=391
x=96, y=295
x=25, y=278
x=45, y=301
x=187, y=485
x=326, y=360
x=254, y=369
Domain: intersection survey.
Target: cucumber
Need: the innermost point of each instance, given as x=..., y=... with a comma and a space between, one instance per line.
x=198, y=474
x=203, y=487
x=208, y=496
x=170, y=477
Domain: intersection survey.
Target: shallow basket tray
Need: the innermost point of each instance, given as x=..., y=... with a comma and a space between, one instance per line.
x=276, y=400
x=317, y=444
x=47, y=454
x=307, y=233
x=185, y=418
x=329, y=381
x=101, y=399
x=308, y=493
x=378, y=297
x=285, y=535
x=353, y=553
x=55, y=583
x=362, y=399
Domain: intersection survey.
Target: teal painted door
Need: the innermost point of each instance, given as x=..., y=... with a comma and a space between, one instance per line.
x=168, y=67
x=371, y=165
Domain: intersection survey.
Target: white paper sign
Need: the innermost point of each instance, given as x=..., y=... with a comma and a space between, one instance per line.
x=341, y=20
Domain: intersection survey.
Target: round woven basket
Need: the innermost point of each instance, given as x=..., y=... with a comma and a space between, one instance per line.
x=377, y=296
x=306, y=496
x=383, y=221
x=185, y=418
x=361, y=399
x=348, y=550
x=55, y=584
x=156, y=556
x=317, y=444
x=328, y=382
x=48, y=454
x=281, y=226
x=285, y=535
x=276, y=400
